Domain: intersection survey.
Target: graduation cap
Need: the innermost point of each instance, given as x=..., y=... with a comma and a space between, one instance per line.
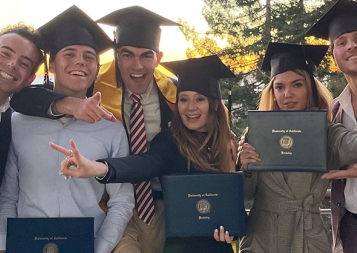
x=282, y=57
x=339, y=19
x=200, y=75
x=73, y=27
x=136, y=27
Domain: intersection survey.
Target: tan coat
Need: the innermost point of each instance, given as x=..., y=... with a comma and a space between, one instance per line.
x=285, y=217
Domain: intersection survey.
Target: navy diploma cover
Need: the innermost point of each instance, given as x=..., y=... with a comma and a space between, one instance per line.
x=50, y=235
x=197, y=204
x=288, y=140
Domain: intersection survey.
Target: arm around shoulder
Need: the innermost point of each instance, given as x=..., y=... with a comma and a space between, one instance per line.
x=34, y=100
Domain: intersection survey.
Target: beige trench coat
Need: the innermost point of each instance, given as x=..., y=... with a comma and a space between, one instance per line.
x=285, y=217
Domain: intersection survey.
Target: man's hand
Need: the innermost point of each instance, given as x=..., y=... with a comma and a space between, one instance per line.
x=341, y=174
x=88, y=109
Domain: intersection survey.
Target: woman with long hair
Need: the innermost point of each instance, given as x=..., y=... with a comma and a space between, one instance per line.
x=198, y=141
x=285, y=216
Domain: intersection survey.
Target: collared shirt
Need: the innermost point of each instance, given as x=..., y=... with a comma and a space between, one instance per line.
x=152, y=116
x=33, y=188
x=4, y=107
x=350, y=122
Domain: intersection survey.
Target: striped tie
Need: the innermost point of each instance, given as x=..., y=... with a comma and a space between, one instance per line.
x=143, y=192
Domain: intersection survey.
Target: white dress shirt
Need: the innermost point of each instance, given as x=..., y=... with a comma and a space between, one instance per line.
x=152, y=116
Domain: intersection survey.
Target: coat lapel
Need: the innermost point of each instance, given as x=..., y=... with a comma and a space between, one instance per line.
x=5, y=137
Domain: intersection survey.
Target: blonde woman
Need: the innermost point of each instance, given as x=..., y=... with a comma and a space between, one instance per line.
x=285, y=216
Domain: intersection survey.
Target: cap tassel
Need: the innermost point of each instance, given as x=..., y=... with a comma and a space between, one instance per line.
x=230, y=105
x=117, y=74
x=46, y=79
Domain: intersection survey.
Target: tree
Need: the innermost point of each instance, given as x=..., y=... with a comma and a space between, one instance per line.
x=239, y=33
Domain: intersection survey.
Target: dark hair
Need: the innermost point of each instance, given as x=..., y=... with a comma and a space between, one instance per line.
x=31, y=35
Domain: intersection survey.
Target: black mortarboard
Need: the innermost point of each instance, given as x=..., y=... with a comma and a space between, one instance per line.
x=200, y=75
x=137, y=27
x=282, y=57
x=339, y=19
x=73, y=27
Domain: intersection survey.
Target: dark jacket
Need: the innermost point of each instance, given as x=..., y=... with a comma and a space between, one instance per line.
x=5, y=138
x=162, y=158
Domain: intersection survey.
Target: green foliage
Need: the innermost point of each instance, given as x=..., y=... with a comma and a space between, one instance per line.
x=239, y=33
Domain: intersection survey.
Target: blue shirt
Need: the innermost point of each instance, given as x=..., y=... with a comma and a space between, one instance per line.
x=33, y=188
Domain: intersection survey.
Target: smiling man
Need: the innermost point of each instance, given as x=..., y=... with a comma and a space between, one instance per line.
x=20, y=57
x=133, y=71
x=32, y=186
x=339, y=26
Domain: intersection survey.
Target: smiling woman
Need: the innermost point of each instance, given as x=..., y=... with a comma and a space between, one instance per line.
x=198, y=141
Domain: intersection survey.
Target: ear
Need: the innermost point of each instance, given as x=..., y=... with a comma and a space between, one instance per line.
x=159, y=57
x=51, y=67
x=31, y=78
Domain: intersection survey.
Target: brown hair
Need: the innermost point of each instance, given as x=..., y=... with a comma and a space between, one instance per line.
x=208, y=151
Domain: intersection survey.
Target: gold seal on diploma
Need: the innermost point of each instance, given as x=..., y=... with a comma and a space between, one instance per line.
x=286, y=142
x=50, y=248
x=203, y=206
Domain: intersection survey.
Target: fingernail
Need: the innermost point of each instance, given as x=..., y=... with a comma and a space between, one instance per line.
x=221, y=227
x=226, y=232
x=60, y=173
x=216, y=230
x=65, y=177
x=70, y=177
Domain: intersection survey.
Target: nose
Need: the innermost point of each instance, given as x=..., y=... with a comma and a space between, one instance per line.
x=288, y=92
x=137, y=63
x=191, y=105
x=11, y=63
x=80, y=59
x=352, y=44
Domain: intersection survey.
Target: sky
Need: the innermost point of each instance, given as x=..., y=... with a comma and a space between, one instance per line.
x=173, y=43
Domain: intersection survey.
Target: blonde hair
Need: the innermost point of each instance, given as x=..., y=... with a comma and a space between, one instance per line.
x=208, y=151
x=268, y=102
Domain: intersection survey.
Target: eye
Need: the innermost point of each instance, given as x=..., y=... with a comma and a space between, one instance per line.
x=200, y=99
x=25, y=64
x=183, y=100
x=279, y=87
x=89, y=57
x=5, y=53
x=148, y=56
x=297, y=85
x=126, y=55
x=340, y=42
x=69, y=54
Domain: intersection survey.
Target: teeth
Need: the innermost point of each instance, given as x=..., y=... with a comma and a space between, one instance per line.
x=79, y=73
x=137, y=75
x=352, y=57
x=5, y=75
x=192, y=116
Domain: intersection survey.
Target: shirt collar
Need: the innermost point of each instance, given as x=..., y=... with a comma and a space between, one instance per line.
x=5, y=106
x=144, y=96
x=345, y=96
